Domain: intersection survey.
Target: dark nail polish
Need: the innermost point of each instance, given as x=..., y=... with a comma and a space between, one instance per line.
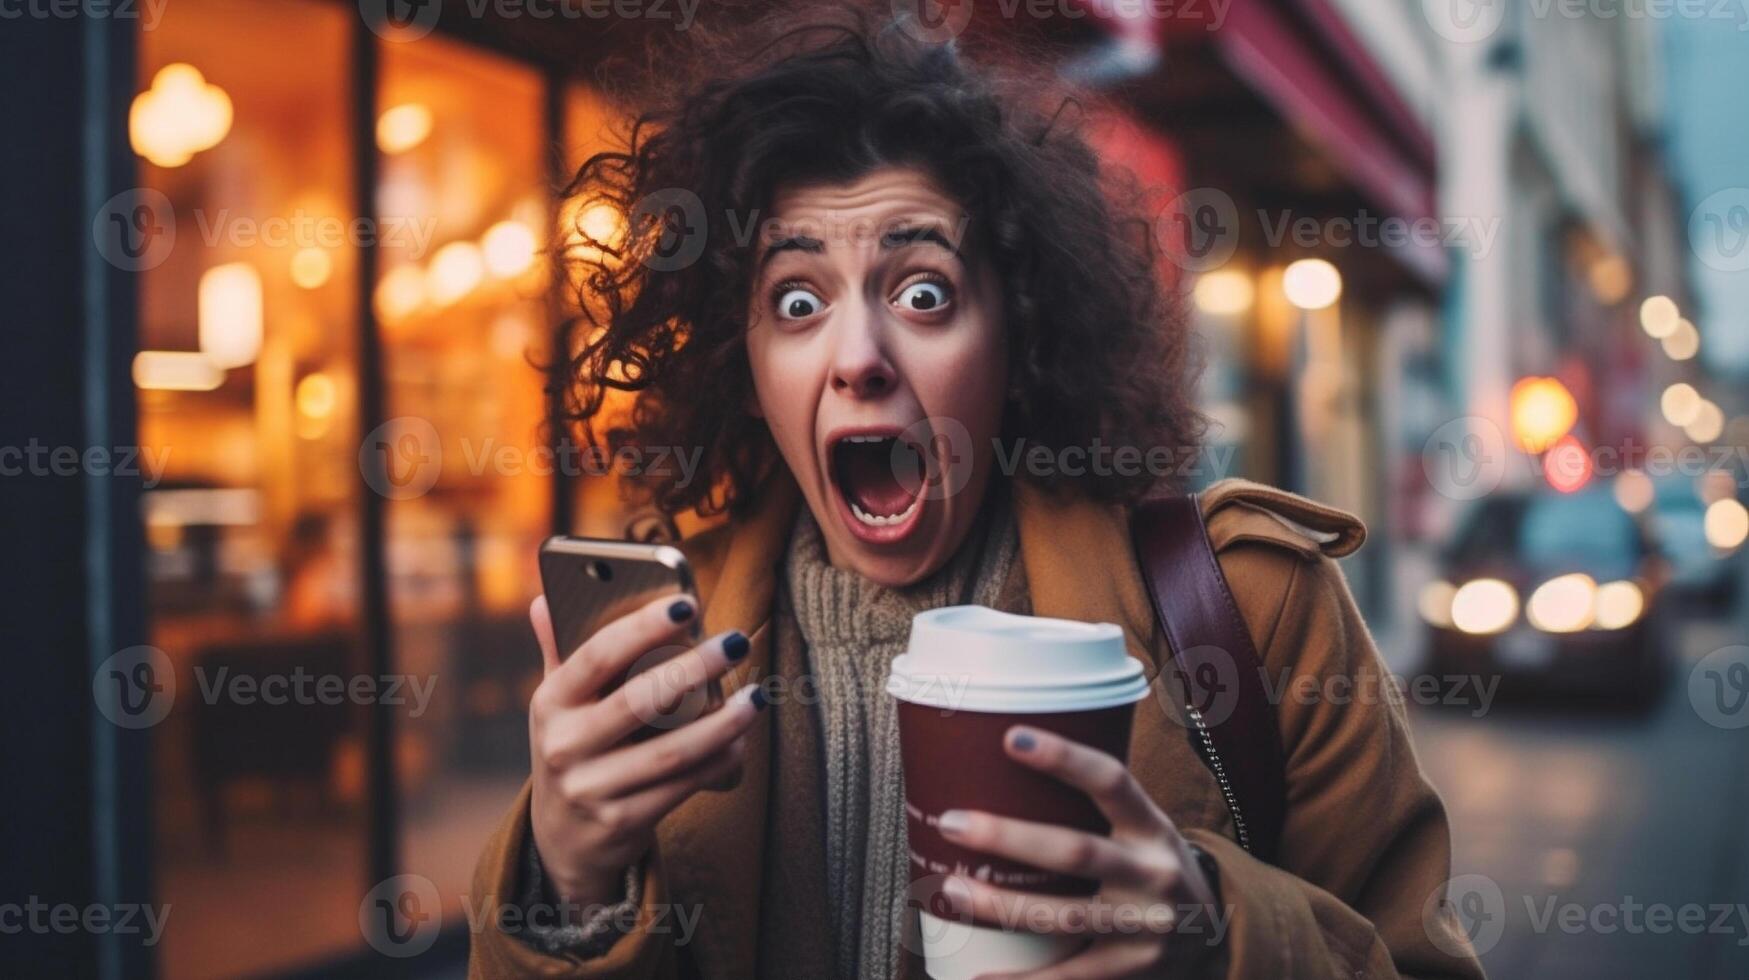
x=681, y=611
x=759, y=698
x=1024, y=742
x=735, y=646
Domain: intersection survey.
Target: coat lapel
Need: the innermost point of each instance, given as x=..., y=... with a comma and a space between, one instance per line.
x=711, y=846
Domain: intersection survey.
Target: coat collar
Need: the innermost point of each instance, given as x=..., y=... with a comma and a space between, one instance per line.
x=1076, y=556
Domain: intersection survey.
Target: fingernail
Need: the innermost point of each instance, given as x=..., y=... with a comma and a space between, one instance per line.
x=953, y=822
x=681, y=611
x=957, y=894
x=759, y=698
x=735, y=646
x=1024, y=742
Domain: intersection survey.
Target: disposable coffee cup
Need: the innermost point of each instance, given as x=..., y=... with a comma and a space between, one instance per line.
x=968, y=675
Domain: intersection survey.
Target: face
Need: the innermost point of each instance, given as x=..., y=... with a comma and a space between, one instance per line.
x=879, y=364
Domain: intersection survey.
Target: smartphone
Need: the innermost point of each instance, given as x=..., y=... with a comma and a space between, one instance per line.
x=590, y=582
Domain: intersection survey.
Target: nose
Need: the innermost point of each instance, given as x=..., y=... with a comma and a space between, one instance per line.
x=860, y=367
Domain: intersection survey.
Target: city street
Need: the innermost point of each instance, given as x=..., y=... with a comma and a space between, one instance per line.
x=1616, y=841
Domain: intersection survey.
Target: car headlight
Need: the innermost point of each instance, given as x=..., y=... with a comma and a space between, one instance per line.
x=1435, y=603
x=1619, y=605
x=1484, y=605
x=1564, y=604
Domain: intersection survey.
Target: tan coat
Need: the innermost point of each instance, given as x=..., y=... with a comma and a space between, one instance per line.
x=1365, y=844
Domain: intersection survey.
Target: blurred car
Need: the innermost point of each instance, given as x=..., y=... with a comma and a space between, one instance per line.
x=1554, y=591
x=1700, y=572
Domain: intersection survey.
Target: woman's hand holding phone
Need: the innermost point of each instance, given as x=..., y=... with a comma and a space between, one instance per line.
x=597, y=794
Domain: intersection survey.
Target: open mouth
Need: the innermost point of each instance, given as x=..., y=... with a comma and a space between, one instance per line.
x=881, y=506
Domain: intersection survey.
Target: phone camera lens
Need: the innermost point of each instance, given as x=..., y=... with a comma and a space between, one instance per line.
x=601, y=571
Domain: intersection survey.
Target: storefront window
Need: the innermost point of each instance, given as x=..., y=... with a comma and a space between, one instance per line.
x=462, y=305
x=247, y=384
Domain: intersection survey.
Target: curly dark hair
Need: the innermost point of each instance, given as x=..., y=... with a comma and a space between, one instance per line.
x=1099, y=354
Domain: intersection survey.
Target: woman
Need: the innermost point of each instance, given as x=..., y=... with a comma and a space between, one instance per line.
x=881, y=280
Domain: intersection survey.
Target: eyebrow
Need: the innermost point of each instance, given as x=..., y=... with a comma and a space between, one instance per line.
x=917, y=235
x=793, y=244
x=901, y=237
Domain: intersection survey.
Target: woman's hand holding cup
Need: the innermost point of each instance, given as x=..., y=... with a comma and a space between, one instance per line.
x=1148, y=874
x=597, y=796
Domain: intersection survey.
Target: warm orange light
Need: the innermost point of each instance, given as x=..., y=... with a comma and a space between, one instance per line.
x=1543, y=411
x=230, y=314
x=402, y=128
x=1611, y=278
x=317, y=395
x=176, y=370
x=311, y=267
x=400, y=293
x=1707, y=424
x=510, y=248
x=455, y=270
x=180, y=115
x=1223, y=292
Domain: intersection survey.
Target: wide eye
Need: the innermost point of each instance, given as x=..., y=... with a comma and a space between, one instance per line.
x=923, y=297
x=795, y=304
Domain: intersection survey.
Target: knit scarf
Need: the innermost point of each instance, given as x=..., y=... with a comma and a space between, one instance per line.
x=852, y=628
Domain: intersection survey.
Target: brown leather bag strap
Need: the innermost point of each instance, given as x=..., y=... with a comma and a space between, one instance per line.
x=1231, y=721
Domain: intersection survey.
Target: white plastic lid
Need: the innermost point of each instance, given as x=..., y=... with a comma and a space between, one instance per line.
x=973, y=658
